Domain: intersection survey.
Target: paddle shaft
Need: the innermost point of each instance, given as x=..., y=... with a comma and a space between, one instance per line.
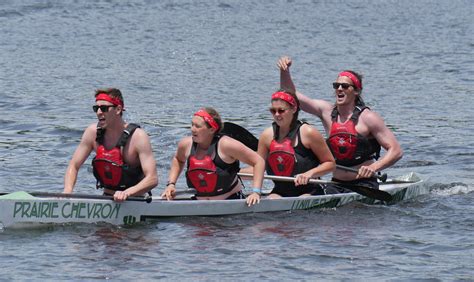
x=248, y=139
x=382, y=177
x=288, y=178
x=363, y=190
x=147, y=199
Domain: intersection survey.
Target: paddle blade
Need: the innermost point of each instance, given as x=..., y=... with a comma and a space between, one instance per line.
x=371, y=193
x=241, y=134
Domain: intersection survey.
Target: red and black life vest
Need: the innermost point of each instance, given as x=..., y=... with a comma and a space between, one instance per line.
x=285, y=160
x=108, y=166
x=211, y=176
x=348, y=147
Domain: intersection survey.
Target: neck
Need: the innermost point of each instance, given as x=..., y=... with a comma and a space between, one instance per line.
x=283, y=131
x=205, y=145
x=116, y=127
x=345, y=110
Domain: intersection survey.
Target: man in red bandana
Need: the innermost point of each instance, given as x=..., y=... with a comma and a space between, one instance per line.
x=124, y=164
x=355, y=133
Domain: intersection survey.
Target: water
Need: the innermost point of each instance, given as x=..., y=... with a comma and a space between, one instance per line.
x=170, y=58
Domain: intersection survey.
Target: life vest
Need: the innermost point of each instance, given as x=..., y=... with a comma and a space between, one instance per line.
x=108, y=166
x=285, y=160
x=211, y=176
x=281, y=155
x=348, y=147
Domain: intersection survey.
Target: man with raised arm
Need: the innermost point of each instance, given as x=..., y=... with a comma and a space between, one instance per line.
x=355, y=133
x=124, y=164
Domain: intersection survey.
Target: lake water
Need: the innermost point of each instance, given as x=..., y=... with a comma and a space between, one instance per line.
x=171, y=57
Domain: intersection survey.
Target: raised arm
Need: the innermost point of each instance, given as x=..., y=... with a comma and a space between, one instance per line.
x=313, y=106
x=79, y=157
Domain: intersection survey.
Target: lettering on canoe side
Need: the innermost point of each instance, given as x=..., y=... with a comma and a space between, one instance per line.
x=67, y=210
x=315, y=203
x=129, y=219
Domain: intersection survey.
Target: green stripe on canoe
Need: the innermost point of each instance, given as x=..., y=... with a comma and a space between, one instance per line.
x=20, y=195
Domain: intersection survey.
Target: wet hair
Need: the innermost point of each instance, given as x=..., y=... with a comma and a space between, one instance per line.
x=112, y=92
x=296, y=114
x=359, y=100
x=215, y=115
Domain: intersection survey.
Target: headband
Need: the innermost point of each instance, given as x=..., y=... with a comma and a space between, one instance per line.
x=354, y=78
x=106, y=97
x=207, y=118
x=285, y=97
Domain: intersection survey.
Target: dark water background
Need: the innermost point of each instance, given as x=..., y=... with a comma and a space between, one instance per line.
x=170, y=58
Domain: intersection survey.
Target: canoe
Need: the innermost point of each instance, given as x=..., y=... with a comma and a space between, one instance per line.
x=20, y=209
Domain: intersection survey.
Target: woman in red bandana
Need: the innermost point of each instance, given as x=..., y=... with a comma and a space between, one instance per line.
x=293, y=148
x=124, y=164
x=212, y=162
x=355, y=133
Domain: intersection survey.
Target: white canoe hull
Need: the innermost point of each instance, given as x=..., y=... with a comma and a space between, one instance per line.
x=20, y=209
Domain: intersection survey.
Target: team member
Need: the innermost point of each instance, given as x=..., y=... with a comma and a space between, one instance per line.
x=212, y=162
x=293, y=148
x=124, y=164
x=355, y=132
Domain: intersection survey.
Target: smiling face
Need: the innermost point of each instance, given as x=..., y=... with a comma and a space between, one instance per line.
x=201, y=132
x=106, y=113
x=282, y=112
x=345, y=96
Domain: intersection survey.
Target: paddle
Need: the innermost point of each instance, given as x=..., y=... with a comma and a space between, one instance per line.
x=147, y=198
x=364, y=191
x=248, y=139
x=382, y=177
x=241, y=134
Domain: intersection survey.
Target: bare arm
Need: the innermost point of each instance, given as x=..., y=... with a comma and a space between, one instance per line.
x=79, y=157
x=177, y=165
x=313, y=139
x=312, y=106
x=386, y=139
x=236, y=150
x=142, y=145
x=239, y=151
x=263, y=145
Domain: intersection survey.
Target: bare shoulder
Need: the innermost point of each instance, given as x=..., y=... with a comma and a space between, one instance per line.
x=90, y=133
x=310, y=134
x=370, y=117
x=185, y=142
x=267, y=135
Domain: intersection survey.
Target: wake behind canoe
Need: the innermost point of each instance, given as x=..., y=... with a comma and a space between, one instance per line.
x=21, y=208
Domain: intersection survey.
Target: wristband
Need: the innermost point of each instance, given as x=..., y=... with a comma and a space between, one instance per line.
x=170, y=183
x=257, y=190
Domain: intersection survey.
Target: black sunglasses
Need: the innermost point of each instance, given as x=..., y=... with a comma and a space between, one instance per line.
x=280, y=111
x=103, y=108
x=336, y=85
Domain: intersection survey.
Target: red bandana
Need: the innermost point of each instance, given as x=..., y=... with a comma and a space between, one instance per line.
x=207, y=118
x=106, y=97
x=285, y=97
x=353, y=78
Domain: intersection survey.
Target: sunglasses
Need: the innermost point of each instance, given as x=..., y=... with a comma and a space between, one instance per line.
x=280, y=111
x=336, y=85
x=103, y=108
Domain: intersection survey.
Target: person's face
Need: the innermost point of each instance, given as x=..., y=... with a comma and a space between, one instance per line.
x=282, y=112
x=200, y=131
x=105, y=112
x=344, y=90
